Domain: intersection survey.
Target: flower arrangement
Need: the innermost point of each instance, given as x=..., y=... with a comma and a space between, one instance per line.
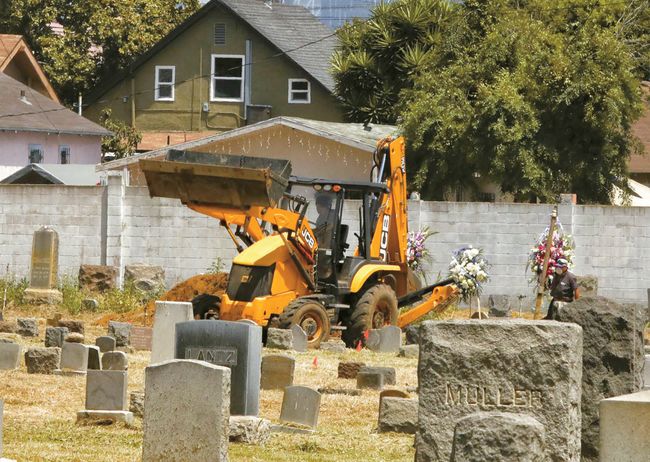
x=416, y=252
x=562, y=247
x=469, y=269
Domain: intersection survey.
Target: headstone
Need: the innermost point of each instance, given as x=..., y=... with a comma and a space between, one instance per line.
x=73, y=325
x=300, y=338
x=349, y=369
x=170, y=435
x=74, y=337
x=105, y=343
x=505, y=437
x=55, y=336
x=411, y=334
x=236, y=345
x=27, y=327
x=115, y=361
x=145, y=277
x=281, y=339
x=625, y=428
x=388, y=339
x=97, y=278
x=248, y=429
x=277, y=372
x=9, y=356
x=120, y=331
x=301, y=406
x=392, y=393
x=42, y=360
x=74, y=357
x=387, y=372
x=106, y=390
x=136, y=403
x=646, y=372
x=409, y=351
x=399, y=415
x=94, y=355
x=44, y=268
x=499, y=306
x=613, y=357
x=333, y=346
x=370, y=380
x=141, y=337
x=164, y=328
x=517, y=366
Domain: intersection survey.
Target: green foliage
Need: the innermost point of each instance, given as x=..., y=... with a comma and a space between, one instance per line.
x=12, y=290
x=126, y=299
x=538, y=98
x=217, y=266
x=100, y=37
x=73, y=296
x=125, y=138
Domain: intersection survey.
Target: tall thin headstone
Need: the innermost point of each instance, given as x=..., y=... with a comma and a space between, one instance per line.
x=168, y=314
x=43, y=276
x=171, y=435
x=233, y=344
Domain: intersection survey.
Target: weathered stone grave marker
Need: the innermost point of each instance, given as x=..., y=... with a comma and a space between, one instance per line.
x=74, y=357
x=387, y=372
x=613, y=357
x=27, y=327
x=349, y=369
x=106, y=397
x=141, y=337
x=168, y=314
x=625, y=428
x=9, y=356
x=370, y=380
x=517, y=366
x=499, y=436
x=388, y=339
x=121, y=332
x=236, y=345
x=398, y=414
x=44, y=268
x=42, y=360
x=97, y=278
x=115, y=361
x=281, y=339
x=170, y=435
x=55, y=336
x=277, y=372
x=300, y=339
x=105, y=343
x=94, y=357
x=300, y=405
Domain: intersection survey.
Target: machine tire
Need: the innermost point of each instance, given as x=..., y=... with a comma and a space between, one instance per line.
x=311, y=316
x=376, y=308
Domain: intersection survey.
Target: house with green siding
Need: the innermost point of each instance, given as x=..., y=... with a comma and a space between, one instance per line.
x=231, y=64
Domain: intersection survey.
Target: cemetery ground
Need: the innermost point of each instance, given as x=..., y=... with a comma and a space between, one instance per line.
x=40, y=411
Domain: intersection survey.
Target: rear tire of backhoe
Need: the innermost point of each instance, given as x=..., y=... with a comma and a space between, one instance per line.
x=311, y=316
x=376, y=308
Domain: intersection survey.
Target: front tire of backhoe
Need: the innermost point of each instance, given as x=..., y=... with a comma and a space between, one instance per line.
x=376, y=308
x=311, y=316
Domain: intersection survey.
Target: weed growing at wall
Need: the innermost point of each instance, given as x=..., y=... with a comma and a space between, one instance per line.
x=12, y=290
x=73, y=296
x=126, y=299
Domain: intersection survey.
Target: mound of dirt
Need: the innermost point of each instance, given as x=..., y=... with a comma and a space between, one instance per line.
x=213, y=284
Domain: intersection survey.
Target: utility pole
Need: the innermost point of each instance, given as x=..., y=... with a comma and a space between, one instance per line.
x=541, y=288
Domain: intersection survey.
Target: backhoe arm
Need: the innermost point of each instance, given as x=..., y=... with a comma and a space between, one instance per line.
x=441, y=296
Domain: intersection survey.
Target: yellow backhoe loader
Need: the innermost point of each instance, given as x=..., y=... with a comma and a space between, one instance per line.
x=294, y=262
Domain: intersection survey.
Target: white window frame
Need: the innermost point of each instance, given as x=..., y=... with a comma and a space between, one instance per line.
x=292, y=91
x=158, y=83
x=63, y=147
x=213, y=78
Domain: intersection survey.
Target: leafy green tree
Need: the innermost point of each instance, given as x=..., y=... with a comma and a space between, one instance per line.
x=124, y=140
x=536, y=97
x=99, y=37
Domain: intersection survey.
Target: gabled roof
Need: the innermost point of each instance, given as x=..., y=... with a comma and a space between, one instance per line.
x=358, y=136
x=286, y=27
x=67, y=174
x=37, y=113
x=14, y=48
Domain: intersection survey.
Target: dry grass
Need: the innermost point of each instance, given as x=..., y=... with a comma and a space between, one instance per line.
x=40, y=411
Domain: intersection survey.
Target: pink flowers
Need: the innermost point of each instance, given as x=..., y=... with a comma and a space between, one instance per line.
x=416, y=252
x=561, y=247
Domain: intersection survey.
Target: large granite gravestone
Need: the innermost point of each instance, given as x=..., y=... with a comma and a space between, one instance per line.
x=97, y=278
x=397, y=414
x=44, y=268
x=27, y=327
x=42, y=360
x=516, y=366
x=164, y=328
x=498, y=436
x=300, y=405
x=613, y=357
x=145, y=277
x=625, y=428
x=121, y=332
x=55, y=336
x=277, y=372
x=236, y=345
x=9, y=356
x=186, y=412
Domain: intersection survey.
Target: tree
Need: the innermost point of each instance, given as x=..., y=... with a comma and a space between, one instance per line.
x=124, y=140
x=98, y=38
x=538, y=99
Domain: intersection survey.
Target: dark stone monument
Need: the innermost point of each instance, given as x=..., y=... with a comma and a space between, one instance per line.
x=121, y=332
x=236, y=345
x=300, y=405
x=55, y=336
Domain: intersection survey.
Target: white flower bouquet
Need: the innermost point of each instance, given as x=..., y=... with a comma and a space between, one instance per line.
x=469, y=270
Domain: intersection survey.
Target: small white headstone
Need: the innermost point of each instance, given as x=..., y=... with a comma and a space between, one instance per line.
x=168, y=314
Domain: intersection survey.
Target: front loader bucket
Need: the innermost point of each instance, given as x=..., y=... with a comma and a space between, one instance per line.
x=217, y=179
